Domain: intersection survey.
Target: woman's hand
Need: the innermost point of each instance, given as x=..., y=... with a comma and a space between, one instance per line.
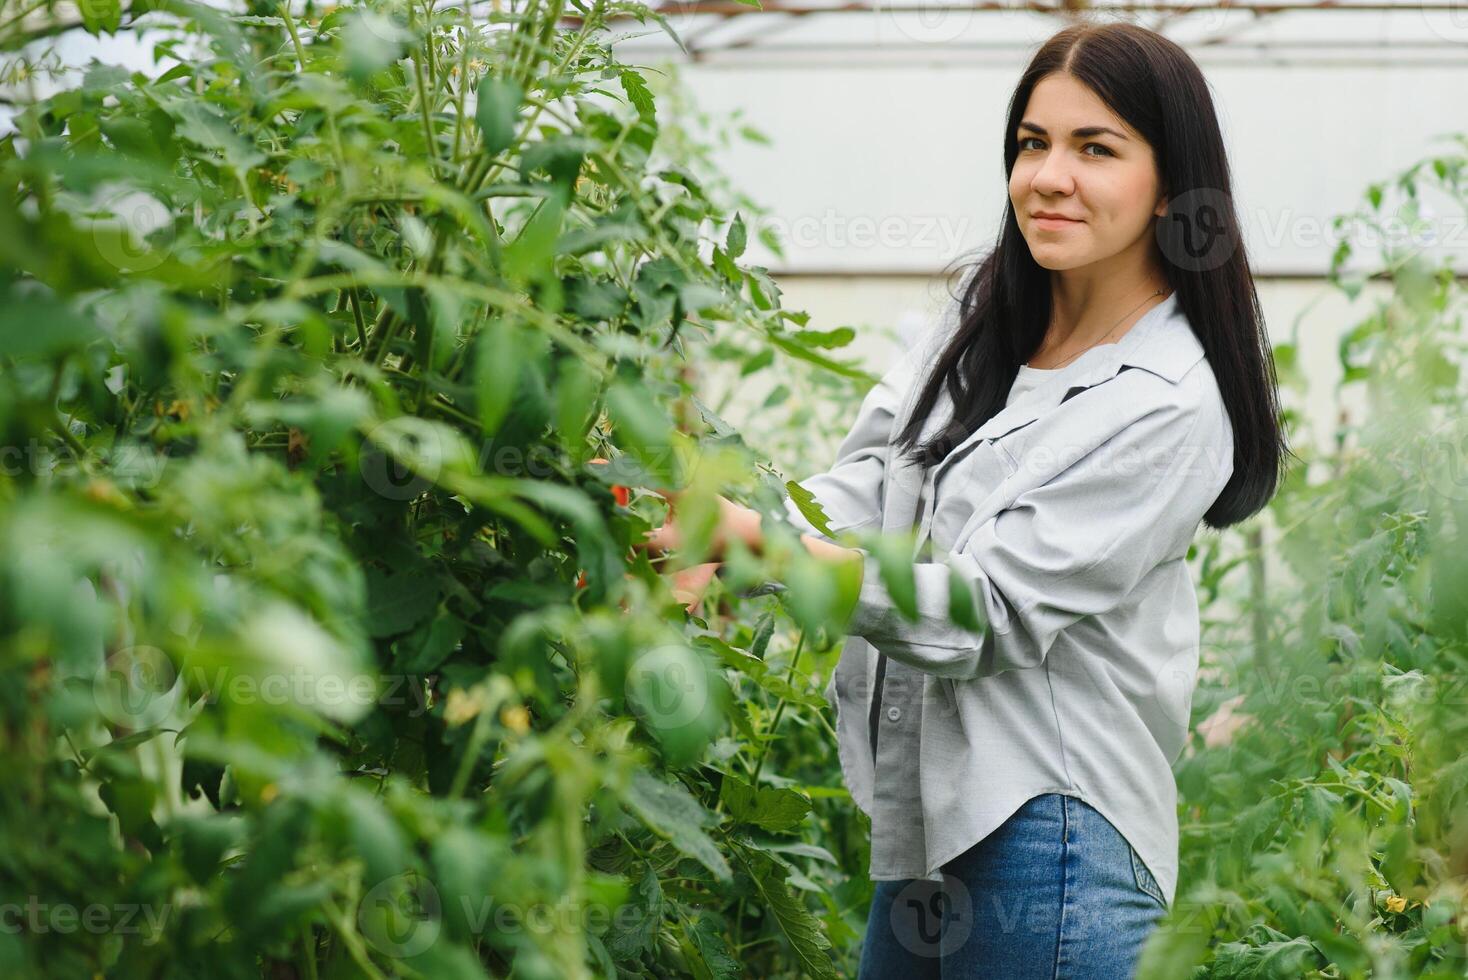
x=689, y=585
x=735, y=523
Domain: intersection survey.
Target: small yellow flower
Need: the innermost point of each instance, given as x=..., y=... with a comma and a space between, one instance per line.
x=515, y=718
x=463, y=706
x=105, y=492
x=1396, y=903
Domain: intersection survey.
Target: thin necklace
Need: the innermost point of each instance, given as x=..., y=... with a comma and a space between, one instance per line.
x=1105, y=335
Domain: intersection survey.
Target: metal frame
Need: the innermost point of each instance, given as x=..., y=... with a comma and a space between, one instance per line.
x=708, y=21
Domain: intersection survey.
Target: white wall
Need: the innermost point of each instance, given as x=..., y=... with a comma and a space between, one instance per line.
x=1311, y=314
x=898, y=169
x=885, y=164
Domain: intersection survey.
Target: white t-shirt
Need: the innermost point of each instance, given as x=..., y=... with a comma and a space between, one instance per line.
x=1026, y=381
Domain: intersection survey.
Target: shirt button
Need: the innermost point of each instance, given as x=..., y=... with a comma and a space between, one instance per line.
x=893, y=714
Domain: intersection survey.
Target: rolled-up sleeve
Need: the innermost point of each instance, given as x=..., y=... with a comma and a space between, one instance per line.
x=1071, y=547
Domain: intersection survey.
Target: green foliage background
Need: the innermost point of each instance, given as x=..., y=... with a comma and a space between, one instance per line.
x=322, y=649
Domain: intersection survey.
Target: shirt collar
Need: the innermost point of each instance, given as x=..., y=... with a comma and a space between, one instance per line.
x=1161, y=342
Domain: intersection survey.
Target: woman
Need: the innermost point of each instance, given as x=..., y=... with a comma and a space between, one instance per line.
x=1108, y=387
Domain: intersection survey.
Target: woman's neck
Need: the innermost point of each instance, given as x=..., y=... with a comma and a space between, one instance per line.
x=1105, y=319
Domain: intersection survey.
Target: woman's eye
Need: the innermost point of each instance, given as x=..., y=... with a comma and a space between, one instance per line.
x=1103, y=149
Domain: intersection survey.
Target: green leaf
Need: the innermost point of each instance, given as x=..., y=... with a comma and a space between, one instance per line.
x=801, y=928
x=431, y=449
x=814, y=591
x=809, y=507
x=638, y=94
x=282, y=638
x=643, y=427
x=497, y=111
x=840, y=337
x=639, y=920
x=396, y=602
x=201, y=124
x=708, y=954
x=132, y=801
x=466, y=862
x=425, y=650
x=1416, y=284
x=447, y=961
x=768, y=680
x=963, y=608
x=101, y=15
x=375, y=837
x=763, y=631
x=757, y=362
x=499, y=355
x=19, y=338
x=577, y=386
x=894, y=559
x=804, y=353
x=737, y=238
x=1400, y=865
x=204, y=840
x=773, y=809
x=672, y=813
x=532, y=255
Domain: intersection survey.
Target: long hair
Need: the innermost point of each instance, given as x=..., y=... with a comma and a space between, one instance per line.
x=1005, y=306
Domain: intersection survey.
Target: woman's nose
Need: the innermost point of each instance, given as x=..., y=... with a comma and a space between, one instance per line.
x=1054, y=175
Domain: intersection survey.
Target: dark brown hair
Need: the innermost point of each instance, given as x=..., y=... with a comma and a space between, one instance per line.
x=1004, y=307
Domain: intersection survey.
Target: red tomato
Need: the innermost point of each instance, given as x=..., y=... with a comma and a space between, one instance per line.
x=621, y=493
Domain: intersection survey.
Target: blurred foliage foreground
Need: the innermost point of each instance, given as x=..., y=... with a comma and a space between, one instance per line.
x=323, y=652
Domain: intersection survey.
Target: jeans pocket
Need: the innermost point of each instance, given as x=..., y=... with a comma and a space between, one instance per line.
x=1144, y=879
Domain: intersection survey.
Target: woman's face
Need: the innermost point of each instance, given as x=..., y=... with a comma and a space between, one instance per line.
x=1106, y=181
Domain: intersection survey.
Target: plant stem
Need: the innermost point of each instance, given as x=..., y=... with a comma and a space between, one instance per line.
x=356, y=302
x=764, y=752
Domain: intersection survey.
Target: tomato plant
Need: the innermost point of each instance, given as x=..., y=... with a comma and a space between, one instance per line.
x=1323, y=800
x=344, y=356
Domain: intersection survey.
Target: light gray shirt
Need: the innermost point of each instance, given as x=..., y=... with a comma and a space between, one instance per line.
x=1066, y=518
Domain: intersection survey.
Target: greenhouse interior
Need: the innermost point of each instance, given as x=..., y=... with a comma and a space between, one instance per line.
x=567, y=489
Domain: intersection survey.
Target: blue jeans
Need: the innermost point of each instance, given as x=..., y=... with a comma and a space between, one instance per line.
x=1056, y=892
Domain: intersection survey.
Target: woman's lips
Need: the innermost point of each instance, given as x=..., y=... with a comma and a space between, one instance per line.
x=1055, y=223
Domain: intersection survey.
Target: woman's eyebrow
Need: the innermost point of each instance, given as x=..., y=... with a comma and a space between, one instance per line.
x=1079, y=133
